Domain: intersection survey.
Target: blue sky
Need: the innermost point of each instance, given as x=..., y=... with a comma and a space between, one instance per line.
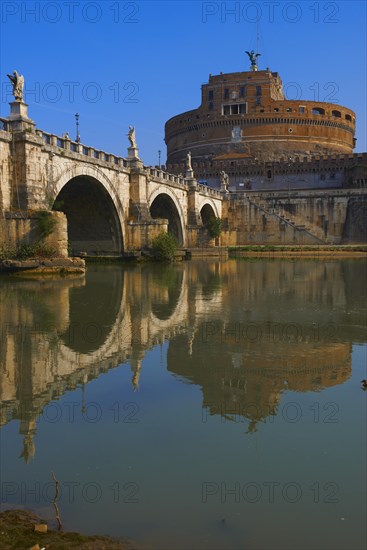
x=140, y=63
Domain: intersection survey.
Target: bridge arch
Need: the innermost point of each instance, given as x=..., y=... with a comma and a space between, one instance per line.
x=93, y=210
x=208, y=210
x=164, y=204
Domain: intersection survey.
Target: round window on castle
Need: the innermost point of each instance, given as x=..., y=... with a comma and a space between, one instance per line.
x=202, y=135
x=290, y=130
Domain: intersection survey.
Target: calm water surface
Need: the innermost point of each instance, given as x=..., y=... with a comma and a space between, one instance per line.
x=205, y=405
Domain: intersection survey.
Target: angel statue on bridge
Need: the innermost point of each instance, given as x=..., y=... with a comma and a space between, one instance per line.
x=188, y=161
x=224, y=181
x=131, y=136
x=253, y=58
x=18, y=85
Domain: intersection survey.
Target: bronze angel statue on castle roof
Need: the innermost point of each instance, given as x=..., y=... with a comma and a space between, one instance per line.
x=253, y=58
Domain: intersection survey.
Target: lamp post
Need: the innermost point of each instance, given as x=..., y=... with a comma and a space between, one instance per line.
x=77, y=139
x=159, y=158
x=289, y=177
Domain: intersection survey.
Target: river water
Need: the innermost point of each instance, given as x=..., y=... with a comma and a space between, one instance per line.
x=206, y=405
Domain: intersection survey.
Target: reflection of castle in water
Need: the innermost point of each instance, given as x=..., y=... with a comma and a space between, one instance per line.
x=244, y=332
x=291, y=327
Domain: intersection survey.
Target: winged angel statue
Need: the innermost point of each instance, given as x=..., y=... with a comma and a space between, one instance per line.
x=17, y=81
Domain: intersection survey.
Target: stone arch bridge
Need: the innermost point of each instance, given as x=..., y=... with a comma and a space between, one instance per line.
x=109, y=205
x=112, y=204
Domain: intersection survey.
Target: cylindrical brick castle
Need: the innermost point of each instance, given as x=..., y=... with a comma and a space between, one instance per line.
x=245, y=115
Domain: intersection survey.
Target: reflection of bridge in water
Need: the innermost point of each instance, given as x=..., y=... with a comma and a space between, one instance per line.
x=245, y=332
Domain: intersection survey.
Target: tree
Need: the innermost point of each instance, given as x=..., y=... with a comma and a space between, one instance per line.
x=214, y=227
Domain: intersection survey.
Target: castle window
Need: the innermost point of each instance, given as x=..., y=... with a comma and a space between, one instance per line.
x=210, y=106
x=269, y=174
x=336, y=114
x=348, y=117
x=318, y=111
x=242, y=91
x=276, y=110
x=226, y=93
x=211, y=95
x=234, y=109
x=258, y=90
x=301, y=109
x=289, y=110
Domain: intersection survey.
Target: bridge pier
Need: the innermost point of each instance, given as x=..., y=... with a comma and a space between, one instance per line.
x=141, y=227
x=138, y=203
x=196, y=234
x=25, y=191
x=193, y=207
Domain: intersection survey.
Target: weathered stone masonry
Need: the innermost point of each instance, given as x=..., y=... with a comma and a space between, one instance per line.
x=109, y=205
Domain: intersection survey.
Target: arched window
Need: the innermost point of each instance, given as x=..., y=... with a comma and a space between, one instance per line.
x=318, y=111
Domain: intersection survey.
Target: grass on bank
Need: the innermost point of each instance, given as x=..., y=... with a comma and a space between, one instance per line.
x=27, y=251
x=17, y=532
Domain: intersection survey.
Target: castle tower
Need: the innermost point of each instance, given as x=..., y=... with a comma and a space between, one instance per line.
x=244, y=117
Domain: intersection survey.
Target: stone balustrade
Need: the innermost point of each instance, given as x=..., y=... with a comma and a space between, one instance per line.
x=165, y=177
x=69, y=146
x=209, y=191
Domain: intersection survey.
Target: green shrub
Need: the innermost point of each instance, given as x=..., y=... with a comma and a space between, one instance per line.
x=7, y=253
x=164, y=246
x=214, y=227
x=46, y=223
